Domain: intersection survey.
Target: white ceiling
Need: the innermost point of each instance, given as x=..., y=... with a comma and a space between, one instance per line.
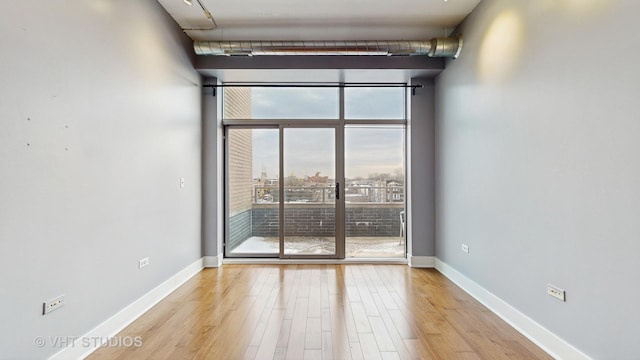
x=320, y=19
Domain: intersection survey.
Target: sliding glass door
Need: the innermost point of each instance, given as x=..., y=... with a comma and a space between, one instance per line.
x=302, y=223
x=253, y=193
x=374, y=191
x=315, y=172
x=311, y=191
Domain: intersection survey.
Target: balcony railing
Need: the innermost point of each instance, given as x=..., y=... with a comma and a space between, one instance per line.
x=310, y=211
x=266, y=194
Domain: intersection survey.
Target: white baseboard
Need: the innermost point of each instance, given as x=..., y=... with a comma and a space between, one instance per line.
x=126, y=316
x=422, y=261
x=212, y=261
x=545, y=339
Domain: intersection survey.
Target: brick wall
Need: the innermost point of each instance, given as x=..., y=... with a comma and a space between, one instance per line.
x=373, y=220
x=239, y=228
x=319, y=220
x=240, y=171
x=237, y=104
x=266, y=221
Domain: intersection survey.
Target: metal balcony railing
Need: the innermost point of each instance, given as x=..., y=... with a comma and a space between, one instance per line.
x=266, y=194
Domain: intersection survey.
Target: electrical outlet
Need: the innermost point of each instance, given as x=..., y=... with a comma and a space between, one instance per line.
x=556, y=292
x=143, y=262
x=53, y=304
x=465, y=248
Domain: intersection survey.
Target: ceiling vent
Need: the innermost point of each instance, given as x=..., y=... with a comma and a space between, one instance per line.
x=437, y=47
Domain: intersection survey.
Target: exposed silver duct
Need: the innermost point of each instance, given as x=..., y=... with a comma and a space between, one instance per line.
x=438, y=47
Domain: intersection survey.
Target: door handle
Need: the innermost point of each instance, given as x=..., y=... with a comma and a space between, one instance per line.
x=337, y=191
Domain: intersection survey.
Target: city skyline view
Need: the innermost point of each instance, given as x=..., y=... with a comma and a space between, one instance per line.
x=369, y=149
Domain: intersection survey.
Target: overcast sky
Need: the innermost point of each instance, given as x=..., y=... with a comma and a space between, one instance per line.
x=307, y=151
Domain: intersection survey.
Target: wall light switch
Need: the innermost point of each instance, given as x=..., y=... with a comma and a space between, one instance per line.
x=181, y=183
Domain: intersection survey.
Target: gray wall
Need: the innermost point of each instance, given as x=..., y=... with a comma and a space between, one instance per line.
x=421, y=202
x=538, y=167
x=99, y=119
x=212, y=171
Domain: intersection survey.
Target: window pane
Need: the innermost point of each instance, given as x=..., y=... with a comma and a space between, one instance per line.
x=374, y=193
x=253, y=156
x=280, y=103
x=309, y=192
x=374, y=103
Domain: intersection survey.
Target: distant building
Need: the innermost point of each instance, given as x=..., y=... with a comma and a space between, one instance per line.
x=317, y=179
x=395, y=191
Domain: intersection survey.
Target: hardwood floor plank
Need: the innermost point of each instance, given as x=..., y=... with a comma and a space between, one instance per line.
x=449, y=345
x=251, y=353
x=186, y=347
x=380, y=333
x=326, y=318
x=324, y=288
x=313, y=334
x=285, y=330
x=288, y=279
x=382, y=290
x=352, y=293
x=520, y=351
x=280, y=353
x=327, y=346
x=341, y=314
x=419, y=350
x=269, y=341
x=305, y=279
x=265, y=315
x=315, y=294
x=401, y=324
x=365, y=291
x=312, y=355
x=482, y=340
x=356, y=351
x=335, y=279
x=389, y=355
x=291, y=294
x=394, y=335
x=321, y=312
x=369, y=345
x=360, y=317
x=297, y=336
x=340, y=337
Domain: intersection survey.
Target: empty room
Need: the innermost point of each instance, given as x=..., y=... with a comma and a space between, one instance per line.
x=338, y=179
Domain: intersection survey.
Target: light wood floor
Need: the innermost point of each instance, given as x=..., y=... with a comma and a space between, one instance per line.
x=321, y=312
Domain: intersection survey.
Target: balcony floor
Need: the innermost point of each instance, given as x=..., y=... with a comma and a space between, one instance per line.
x=356, y=247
